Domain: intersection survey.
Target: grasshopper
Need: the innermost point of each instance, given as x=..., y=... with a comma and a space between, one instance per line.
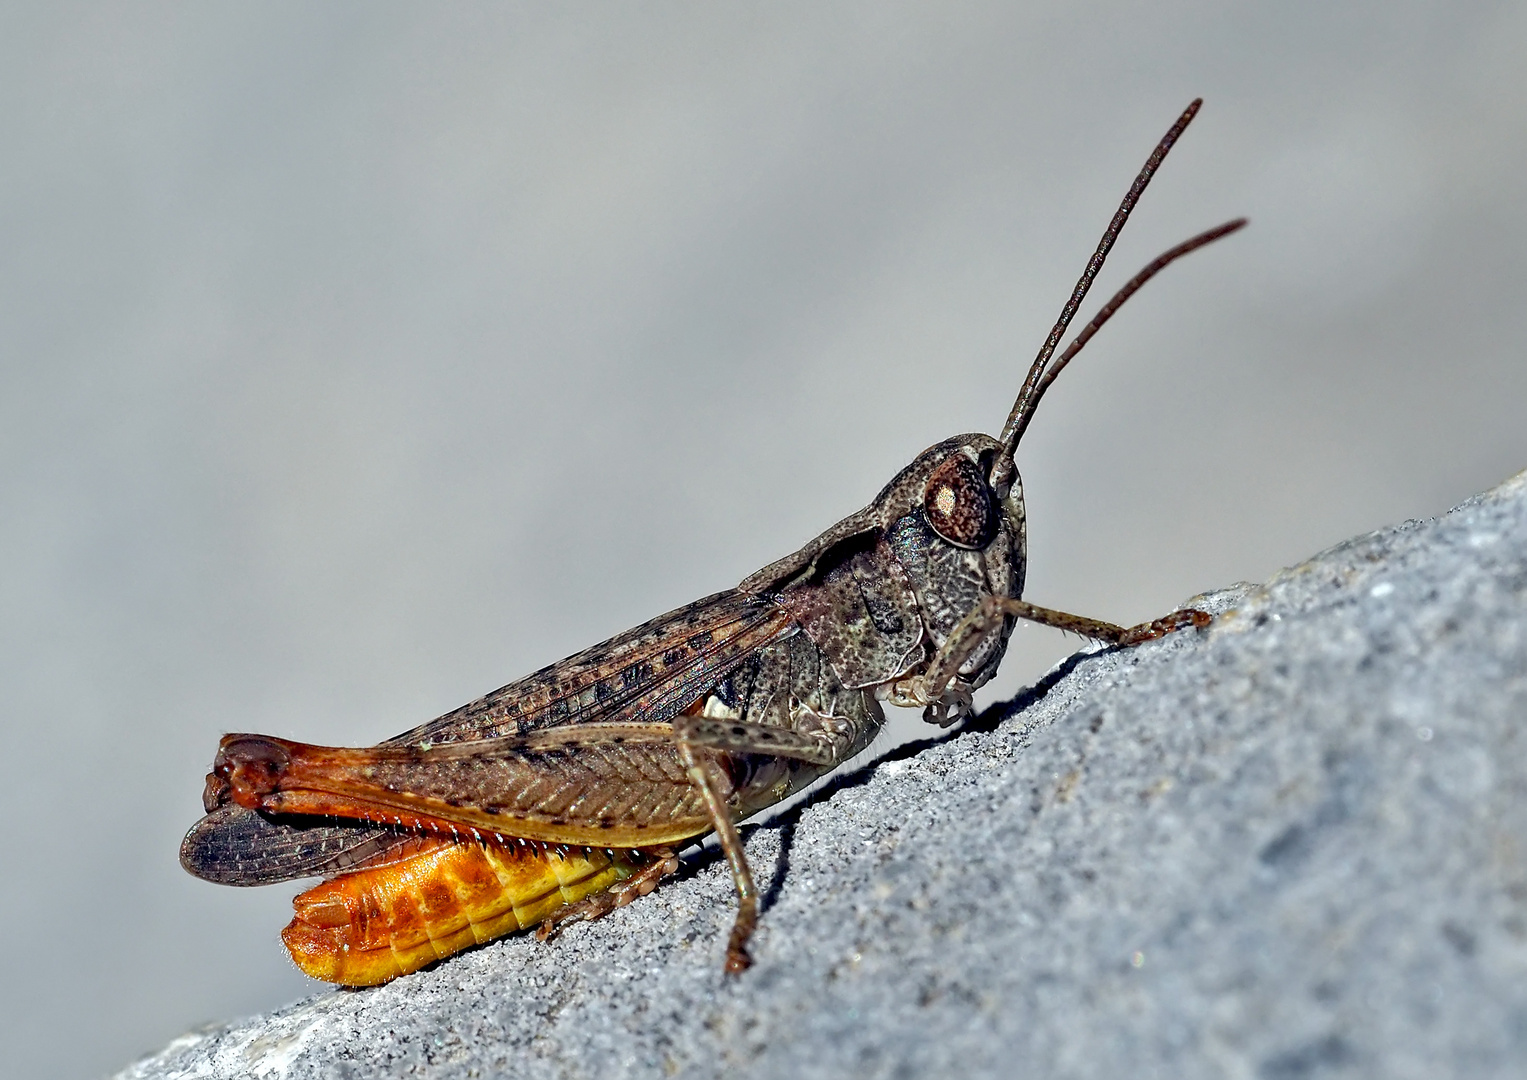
x=567, y=793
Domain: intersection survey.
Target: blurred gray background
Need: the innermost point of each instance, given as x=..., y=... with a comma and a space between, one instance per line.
x=358, y=358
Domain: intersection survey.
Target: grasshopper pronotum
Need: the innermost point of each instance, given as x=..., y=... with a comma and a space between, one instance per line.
x=566, y=794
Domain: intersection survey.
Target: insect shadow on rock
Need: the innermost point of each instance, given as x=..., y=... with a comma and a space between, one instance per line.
x=785, y=820
x=565, y=794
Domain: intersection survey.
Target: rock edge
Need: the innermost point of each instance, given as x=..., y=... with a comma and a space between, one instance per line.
x=1292, y=845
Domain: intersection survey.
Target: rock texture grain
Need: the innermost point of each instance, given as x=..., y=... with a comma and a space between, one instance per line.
x=1292, y=845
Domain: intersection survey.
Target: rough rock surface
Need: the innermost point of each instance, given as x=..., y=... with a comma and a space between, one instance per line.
x=1292, y=845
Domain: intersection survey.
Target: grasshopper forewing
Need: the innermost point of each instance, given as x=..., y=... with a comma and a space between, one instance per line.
x=566, y=794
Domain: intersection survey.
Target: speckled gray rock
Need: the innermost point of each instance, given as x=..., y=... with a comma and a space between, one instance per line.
x=1292, y=845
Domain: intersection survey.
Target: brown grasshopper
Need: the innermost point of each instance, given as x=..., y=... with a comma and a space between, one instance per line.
x=567, y=793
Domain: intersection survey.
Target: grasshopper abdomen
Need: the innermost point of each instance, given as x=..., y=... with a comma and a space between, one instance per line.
x=369, y=927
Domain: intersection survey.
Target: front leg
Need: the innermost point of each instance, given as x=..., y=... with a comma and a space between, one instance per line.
x=932, y=688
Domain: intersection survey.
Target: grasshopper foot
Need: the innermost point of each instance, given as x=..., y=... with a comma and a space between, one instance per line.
x=1167, y=624
x=737, y=958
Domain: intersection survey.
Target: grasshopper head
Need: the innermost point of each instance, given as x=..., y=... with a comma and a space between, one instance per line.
x=967, y=487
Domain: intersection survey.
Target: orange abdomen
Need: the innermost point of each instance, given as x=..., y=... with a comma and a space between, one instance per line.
x=373, y=925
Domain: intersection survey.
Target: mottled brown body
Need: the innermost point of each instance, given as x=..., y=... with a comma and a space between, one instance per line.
x=680, y=727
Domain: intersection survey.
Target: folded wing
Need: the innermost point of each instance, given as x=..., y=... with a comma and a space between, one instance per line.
x=645, y=675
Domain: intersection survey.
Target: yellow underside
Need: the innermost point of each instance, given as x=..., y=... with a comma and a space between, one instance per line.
x=371, y=926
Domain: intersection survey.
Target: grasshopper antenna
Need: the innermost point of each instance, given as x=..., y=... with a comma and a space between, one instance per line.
x=1154, y=267
x=1017, y=419
x=1039, y=379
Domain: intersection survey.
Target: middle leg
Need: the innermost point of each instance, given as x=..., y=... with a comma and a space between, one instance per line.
x=703, y=774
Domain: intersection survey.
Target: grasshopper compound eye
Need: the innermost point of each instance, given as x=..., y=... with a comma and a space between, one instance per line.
x=958, y=503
